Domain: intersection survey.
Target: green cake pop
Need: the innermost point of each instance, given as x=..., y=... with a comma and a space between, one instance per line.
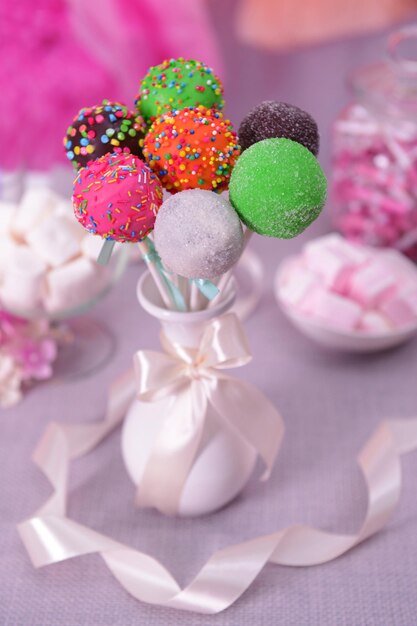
x=278, y=188
x=177, y=84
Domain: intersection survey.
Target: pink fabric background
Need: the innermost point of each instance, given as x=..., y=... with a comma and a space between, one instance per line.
x=60, y=55
x=331, y=404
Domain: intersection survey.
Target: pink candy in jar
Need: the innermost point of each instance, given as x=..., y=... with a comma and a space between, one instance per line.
x=374, y=186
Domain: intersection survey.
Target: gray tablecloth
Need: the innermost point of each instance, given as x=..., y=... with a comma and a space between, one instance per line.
x=331, y=403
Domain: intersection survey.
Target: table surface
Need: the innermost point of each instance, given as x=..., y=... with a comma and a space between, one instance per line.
x=331, y=403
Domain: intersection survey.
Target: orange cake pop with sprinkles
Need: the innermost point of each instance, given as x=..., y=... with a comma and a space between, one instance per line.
x=192, y=148
x=117, y=197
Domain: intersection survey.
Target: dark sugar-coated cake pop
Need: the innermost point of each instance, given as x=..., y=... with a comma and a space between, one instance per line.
x=277, y=119
x=102, y=129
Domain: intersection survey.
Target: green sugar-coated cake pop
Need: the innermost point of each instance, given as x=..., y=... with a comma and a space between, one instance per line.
x=177, y=84
x=278, y=188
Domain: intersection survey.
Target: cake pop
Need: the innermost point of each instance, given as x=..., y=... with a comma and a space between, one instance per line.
x=277, y=119
x=198, y=234
x=117, y=197
x=98, y=130
x=278, y=188
x=177, y=84
x=193, y=147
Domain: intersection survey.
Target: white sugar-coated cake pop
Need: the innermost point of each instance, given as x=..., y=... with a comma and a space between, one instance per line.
x=198, y=234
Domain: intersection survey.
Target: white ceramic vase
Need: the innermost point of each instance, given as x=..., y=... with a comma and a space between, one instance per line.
x=224, y=463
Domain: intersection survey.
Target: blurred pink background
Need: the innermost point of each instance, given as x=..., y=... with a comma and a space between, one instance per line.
x=60, y=55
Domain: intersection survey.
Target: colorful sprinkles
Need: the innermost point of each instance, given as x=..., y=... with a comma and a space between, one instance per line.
x=117, y=197
x=98, y=130
x=192, y=148
x=177, y=84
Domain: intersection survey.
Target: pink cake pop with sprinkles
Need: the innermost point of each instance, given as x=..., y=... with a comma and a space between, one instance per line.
x=117, y=197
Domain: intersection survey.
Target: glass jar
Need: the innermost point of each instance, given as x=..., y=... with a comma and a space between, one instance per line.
x=374, y=187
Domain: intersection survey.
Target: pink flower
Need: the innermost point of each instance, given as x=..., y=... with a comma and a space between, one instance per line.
x=35, y=358
x=27, y=350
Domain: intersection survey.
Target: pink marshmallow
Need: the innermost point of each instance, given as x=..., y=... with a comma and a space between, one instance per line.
x=398, y=311
x=356, y=253
x=374, y=322
x=300, y=282
x=330, y=264
x=335, y=310
x=371, y=283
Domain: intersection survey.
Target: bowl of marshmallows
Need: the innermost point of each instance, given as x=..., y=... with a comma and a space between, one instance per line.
x=48, y=264
x=349, y=297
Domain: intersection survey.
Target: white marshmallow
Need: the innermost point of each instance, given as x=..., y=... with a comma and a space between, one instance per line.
x=73, y=284
x=7, y=214
x=7, y=246
x=36, y=204
x=55, y=240
x=23, y=280
x=64, y=207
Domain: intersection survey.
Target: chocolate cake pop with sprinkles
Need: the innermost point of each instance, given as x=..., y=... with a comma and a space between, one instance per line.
x=177, y=84
x=102, y=129
x=271, y=119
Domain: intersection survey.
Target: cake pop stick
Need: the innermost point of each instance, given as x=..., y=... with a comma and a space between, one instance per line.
x=106, y=252
x=225, y=279
x=196, y=300
x=148, y=253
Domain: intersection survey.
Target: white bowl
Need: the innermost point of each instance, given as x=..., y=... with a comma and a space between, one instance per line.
x=355, y=341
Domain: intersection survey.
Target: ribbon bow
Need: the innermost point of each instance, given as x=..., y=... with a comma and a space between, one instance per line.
x=194, y=382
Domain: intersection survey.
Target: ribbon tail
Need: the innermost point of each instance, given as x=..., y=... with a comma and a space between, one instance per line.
x=251, y=414
x=174, y=452
x=61, y=443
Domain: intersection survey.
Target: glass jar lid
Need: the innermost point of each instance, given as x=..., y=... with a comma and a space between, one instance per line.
x=390, y=86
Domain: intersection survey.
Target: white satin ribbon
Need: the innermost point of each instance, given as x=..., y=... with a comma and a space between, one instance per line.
x=50, y=536
x=195, y=381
